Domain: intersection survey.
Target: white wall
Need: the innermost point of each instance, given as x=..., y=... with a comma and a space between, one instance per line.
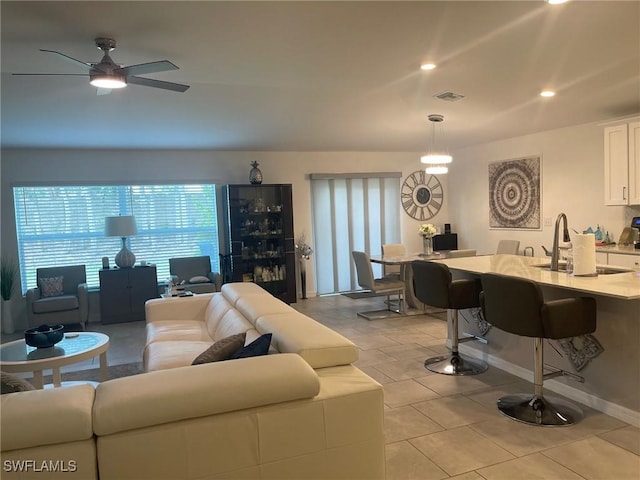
x=572, y=182
x=94, y=166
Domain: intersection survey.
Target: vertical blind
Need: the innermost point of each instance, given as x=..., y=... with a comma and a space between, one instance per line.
x=351, y=212
x=64, y=225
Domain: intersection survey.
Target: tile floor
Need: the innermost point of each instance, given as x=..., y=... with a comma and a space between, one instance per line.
x=438, y=426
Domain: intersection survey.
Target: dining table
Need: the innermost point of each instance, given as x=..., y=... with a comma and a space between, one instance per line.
x=414, y=306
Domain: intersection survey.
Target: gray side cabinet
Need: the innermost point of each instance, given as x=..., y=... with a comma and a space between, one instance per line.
x=124, y=291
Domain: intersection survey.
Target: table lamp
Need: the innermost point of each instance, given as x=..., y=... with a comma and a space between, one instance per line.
x=123, y=226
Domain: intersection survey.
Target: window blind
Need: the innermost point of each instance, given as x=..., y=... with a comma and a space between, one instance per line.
x=64, y=225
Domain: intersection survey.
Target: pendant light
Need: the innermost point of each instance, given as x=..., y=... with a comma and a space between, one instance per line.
x=437, y=155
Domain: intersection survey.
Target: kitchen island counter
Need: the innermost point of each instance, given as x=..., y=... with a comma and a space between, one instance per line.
x=625, y=285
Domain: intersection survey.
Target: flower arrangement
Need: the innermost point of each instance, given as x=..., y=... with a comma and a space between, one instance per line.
x=427, y=230
x=303, y=250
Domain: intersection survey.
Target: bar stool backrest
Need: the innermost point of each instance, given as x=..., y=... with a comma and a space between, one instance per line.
x=431, y=283
x=513, y=304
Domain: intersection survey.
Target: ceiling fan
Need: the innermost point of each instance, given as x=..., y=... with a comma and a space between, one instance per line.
x=107, y=75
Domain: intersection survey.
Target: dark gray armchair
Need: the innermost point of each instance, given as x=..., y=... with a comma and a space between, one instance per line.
x=60, y=298
x=194, y=274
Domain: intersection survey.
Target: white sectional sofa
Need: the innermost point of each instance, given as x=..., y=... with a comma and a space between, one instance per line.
x=302, y=411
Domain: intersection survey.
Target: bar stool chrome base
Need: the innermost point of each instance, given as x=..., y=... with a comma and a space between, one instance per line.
x=455, y=364
x=538, y=410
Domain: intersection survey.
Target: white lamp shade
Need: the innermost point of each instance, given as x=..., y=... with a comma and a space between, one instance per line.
x=122, y=226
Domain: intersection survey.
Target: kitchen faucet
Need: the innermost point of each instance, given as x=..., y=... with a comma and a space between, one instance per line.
x=555, y=251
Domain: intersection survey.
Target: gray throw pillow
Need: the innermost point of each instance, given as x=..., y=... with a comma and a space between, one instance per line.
x=51, y=287
x=12, y=383
x=222, y=349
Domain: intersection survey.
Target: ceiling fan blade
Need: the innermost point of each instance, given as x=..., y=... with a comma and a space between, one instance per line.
x=71, y=59
x=50, y=74
x=148, y=82
x=144, y=68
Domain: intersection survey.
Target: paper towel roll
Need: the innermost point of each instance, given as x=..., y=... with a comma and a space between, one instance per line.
x=584, y=254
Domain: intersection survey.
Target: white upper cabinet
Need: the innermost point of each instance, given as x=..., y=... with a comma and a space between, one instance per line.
x=622, y=164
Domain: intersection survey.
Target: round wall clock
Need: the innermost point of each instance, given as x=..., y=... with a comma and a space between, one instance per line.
x=421, y=195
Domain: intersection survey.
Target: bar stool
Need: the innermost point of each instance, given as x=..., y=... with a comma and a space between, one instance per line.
x=516, y=306
x=434, y=286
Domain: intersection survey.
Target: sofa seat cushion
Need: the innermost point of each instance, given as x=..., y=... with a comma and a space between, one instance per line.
x=318, y=345
x=59, y=303
x=172, y=354
x=189, y=330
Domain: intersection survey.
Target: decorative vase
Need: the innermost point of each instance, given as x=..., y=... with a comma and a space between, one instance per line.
x=7, y=317
x=255, y=175
x=303, y=277
x=427, y=246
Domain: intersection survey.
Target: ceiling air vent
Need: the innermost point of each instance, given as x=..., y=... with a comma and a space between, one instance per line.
x=449, y=96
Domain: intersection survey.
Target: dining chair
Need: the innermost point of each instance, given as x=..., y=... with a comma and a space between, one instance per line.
x=392, y=250
x=508, y=246
x=379, y=286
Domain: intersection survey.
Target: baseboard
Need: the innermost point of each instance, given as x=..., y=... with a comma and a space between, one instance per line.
x=612, y=409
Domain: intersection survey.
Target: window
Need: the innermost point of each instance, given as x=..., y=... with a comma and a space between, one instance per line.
x=351, y=212
x=64, y=225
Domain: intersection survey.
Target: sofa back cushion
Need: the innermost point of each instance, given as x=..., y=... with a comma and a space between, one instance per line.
x=217, y=308
x=319, y=345
x=231, y=323
x=235, y=290
x=254, y=307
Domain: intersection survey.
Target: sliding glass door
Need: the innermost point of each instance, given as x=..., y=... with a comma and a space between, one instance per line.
x=351, y=212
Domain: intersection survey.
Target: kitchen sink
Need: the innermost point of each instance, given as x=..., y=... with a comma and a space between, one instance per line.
x=599, y=270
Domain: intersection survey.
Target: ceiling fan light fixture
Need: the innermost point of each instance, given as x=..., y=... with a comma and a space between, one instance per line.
x=108, y=81
x=436, y=170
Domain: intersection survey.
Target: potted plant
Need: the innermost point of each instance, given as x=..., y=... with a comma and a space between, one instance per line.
x=8, y=276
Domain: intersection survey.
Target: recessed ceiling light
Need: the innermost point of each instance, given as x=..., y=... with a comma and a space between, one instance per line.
x=547, y=93
x=427, y=66
x=556, y=2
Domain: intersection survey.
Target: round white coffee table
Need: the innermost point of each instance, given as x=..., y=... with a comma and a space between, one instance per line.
x=75, y=347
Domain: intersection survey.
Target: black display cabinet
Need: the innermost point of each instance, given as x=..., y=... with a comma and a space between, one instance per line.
x=260, y=246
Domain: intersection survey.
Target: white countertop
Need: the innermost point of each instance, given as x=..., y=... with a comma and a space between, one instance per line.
x=619, y=285
x=623, y=249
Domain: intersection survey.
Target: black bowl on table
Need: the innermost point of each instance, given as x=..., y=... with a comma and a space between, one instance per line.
x=44, y=336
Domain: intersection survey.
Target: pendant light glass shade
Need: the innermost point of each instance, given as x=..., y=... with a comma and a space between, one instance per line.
x=436, y=170
x=436, y=158
x=437, y=154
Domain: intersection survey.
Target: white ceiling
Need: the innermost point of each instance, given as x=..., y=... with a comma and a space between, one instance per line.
x=321, y=75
